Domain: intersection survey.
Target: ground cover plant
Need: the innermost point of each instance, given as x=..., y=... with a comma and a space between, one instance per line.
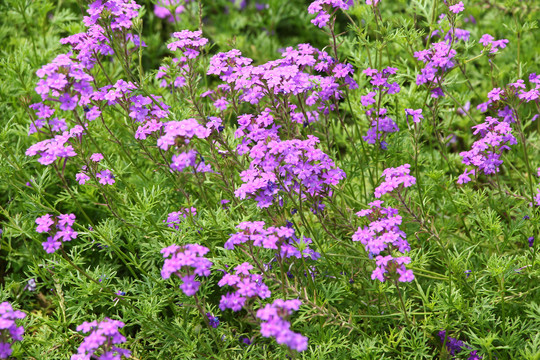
x=329, y=179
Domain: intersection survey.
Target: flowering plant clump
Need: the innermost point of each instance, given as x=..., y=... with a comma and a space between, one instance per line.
x=373, y=162
x=9, y=329
x=101, y=341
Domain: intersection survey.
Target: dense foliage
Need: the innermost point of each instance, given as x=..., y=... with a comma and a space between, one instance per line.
x=328, y=179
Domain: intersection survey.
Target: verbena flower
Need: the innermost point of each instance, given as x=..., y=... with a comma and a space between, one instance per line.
x=66, y=84
x=394, y=178
x=380, y=123
x=382, y=238
x=488, y=40
x=438, y=59
x=63, y=230
x=455, y=346
x=292, y=166
x=275, y=324
x=9, y=331
x=457, y=8
x=212, y=320
x=246, y=286
x=105, y=177
x=176, y=217
x=322, y=8
x=485, y=153
x=186, y=262
x=278, y=238
x=101, y=341
x=415, y=114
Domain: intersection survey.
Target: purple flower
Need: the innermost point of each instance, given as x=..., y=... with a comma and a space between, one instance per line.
x=394, y=177
x=213, y=320
x=186, y=262
x=105, y=177
x=96, y=157
x=416, y=114
x=188, y=42
x=457, y=8
x=9, y=329
x=496, y=136
x=296, y=165
x=487, y=39
x=102, y=338
x=64, y=230
x=274, y=324
x=495, y=94
x=465, y=177
x=383, y=235
x=44, y=223
x=175, y=218
x=321, y=7
x=82, y=178
x=282, y=238
x=246, y=286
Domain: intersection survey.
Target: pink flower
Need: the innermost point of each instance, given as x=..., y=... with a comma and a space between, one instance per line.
x=457, y=8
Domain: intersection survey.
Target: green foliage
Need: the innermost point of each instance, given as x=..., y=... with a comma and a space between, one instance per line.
x=475, y=275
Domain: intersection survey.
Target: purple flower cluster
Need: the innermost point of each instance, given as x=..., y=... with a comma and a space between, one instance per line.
x=517, y=91
x=291, y=166
x=454, y=346
x=101, y=341
x=323, y=8
x=290, y=77
x=485, y=154
x=382, y=234
x=188, y=42
x=437, y=59
x=393, y=178
x=275, y=324
x=104, y=177
x=176, y=217
x=278, y=238
x=63, y=230
x=381, y=124
x=415, y=114
x=246, y=286
x=212, y=320
x=488, y=40
x=454, y=34
x=457, y=8
x=179, y=135
x=9, y=329
x=186, y=262
x=59, y=147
